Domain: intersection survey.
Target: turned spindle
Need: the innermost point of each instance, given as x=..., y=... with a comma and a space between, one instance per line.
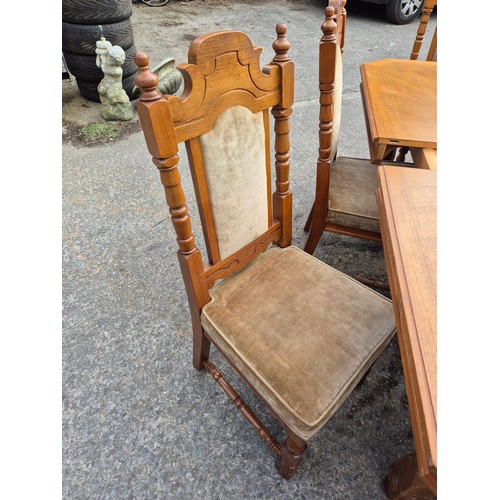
x=281, y=115
x=244, y=409
x=422, y=27
x=327, y=51
x=282, y=198
x=341, y=19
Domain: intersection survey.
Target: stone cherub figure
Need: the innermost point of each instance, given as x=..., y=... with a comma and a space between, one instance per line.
x=116, y=104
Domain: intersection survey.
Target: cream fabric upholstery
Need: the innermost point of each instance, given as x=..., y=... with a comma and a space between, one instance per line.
x=301, y=332
x=352, y=201
x=235, y=166
x=337, y=98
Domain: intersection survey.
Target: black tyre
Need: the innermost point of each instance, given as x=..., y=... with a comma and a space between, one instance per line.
x=403, y=11
x=96, y=11
x=84, y=66
x=81, y=38
x=88, y=89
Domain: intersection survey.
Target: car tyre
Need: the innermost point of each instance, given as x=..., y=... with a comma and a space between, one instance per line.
x=84, y=66
x=403, y=11
x=88, y=89
x=82, y=38
x=96, y=11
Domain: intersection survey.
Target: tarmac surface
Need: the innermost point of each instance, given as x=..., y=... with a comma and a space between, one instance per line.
x=139, y=421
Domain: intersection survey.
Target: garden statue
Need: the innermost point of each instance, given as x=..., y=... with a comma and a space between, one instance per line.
x=116, y=104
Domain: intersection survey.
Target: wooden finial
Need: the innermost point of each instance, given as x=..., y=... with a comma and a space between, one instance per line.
x=329, y=27
x=145, y=79
x=281, y=45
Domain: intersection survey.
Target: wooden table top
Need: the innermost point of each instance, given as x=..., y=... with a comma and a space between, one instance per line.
x=407, y=202
x=401, y=101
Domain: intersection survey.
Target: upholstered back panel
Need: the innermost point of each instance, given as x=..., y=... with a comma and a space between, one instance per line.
x=337, y=99
x=234, y=157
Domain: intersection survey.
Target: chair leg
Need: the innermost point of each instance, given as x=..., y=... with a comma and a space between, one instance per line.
x=291, y=455
x=309, y=220
x=315, y=232
x=201, y=348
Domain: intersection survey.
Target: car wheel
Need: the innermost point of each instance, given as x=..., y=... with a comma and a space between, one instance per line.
x=403, y=11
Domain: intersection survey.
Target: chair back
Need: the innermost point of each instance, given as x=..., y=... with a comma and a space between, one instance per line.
x=222, y=117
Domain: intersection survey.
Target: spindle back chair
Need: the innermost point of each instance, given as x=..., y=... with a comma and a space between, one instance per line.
x=301, y=334
x=344, y=200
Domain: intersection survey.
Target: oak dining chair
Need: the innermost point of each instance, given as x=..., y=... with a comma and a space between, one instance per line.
x=301, y=334
x=344, y=199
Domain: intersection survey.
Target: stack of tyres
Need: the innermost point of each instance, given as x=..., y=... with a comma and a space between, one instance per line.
x=85, y=22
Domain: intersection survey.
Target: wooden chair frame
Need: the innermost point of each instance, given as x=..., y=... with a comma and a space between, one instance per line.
x=333, y=33
x=169, y=120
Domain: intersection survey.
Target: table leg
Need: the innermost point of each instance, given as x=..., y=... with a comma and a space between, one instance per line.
x=404, y=482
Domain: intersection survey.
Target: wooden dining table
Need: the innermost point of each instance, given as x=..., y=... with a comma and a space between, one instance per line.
x=406, y=200
x=400, y=104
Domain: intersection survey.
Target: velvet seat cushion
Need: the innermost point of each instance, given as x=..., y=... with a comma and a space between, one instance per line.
x=302, y=333
x=352, y=201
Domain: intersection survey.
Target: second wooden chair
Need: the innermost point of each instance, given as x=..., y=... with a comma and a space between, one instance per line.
x=345, y=187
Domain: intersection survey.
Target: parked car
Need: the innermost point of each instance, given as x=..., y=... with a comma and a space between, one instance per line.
x=400, y=11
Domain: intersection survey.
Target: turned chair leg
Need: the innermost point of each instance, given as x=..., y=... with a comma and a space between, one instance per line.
x=291, y=455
